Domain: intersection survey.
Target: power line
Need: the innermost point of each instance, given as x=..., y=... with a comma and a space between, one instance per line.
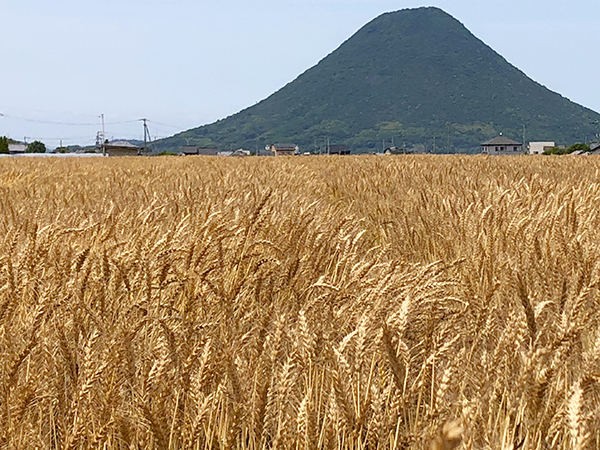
x=50, y=122
x=167, y=125
x=85, y=124
x=67, y=138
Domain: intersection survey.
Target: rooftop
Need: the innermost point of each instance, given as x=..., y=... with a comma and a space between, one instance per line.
x=121, y=144
x=501, y=140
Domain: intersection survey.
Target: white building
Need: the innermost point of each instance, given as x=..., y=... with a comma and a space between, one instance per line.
x=17, y=149
x=537, y=148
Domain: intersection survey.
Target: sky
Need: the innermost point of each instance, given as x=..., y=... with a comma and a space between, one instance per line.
x=185, y=63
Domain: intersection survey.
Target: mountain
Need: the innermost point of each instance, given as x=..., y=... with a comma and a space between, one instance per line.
x=417, y=76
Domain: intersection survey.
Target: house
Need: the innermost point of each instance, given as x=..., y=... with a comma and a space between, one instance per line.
x=121, y=148
x=189, y=150
x=17, y=149
x=339, y=150
x=594, y=148
x=538, y=148
x=284, y=149
x=502, y=145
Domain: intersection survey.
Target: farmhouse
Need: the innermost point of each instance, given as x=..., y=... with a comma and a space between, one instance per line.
x=121, y=148
x=502, y=146
x=283, y=149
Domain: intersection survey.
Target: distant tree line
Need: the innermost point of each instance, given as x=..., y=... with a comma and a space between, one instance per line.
x=34, y=147
x=566, y=151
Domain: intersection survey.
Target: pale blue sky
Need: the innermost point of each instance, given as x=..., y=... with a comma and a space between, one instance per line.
x=184, y=63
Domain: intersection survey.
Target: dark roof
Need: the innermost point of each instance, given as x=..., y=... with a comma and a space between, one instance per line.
x=594, y=146
x=501, y=140
x=338, y=149
x=193, y=150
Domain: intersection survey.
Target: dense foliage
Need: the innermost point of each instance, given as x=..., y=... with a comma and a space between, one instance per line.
x=36, y=147
x=408, y=302
x=416, y=76
x=567, y=150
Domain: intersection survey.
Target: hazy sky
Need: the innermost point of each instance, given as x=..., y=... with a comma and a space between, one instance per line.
x=184, y=63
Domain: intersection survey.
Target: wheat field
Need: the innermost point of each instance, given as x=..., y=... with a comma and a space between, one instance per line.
x=414, y=302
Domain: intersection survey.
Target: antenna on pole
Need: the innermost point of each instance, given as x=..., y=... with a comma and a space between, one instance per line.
x=103, y=136
x=147, y=137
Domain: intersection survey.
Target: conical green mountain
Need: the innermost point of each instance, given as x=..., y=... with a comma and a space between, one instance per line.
x=417, y=76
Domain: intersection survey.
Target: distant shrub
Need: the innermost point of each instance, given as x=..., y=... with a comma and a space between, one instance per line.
x=36, y=147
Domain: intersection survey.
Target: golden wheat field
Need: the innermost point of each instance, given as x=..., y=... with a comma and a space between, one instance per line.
x=303, y=303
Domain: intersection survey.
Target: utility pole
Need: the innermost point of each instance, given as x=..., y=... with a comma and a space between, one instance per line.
x=448, y=136
x=524, y=147
x=328, y=145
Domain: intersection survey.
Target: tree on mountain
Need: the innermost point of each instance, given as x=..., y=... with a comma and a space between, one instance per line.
x=3, y=145
x=36, y=147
